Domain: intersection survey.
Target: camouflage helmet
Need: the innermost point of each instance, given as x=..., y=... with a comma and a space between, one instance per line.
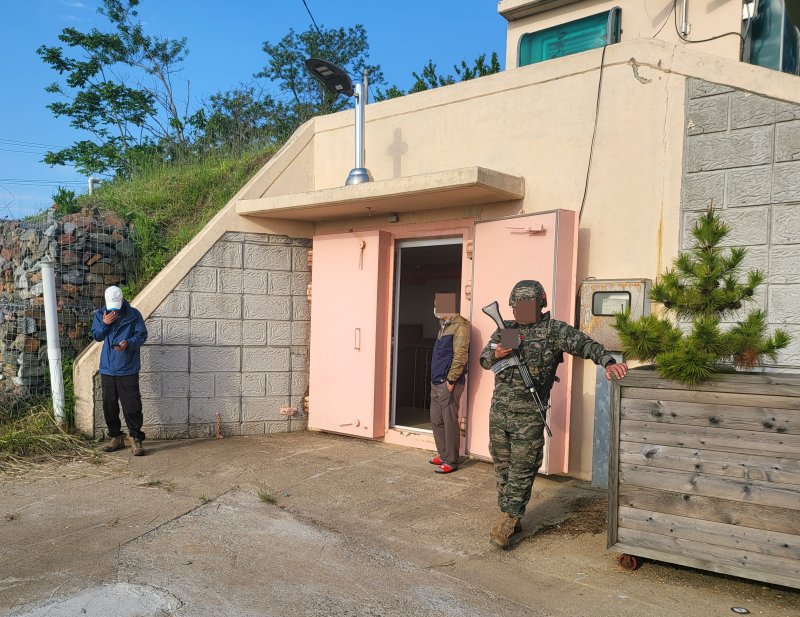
x=528, y=290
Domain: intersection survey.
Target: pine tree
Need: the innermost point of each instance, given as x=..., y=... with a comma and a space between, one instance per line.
x=702, y=288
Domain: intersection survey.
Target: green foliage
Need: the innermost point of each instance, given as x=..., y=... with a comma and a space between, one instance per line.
x=428, y=78
x=98, y=98
x=65, y=201
x=703, y=287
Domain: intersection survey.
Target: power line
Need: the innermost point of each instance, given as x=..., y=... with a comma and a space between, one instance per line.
x=33, y=144
x=314, y=21
x=594, y=131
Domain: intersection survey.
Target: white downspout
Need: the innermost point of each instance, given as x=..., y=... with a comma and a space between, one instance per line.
x=53, y=340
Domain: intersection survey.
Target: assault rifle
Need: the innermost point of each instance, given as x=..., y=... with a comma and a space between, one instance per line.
x=493, y=311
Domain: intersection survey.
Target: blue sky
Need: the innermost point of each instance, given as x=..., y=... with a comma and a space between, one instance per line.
x=224, y=41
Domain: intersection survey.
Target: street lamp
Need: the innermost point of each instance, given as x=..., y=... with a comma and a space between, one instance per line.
x=337, y=81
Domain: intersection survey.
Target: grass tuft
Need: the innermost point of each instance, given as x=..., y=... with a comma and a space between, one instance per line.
x=265, y=495
x=167, y=485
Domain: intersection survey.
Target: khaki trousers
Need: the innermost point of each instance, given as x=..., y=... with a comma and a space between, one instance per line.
x=444, y=421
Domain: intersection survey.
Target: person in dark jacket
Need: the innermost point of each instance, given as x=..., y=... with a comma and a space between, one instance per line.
x=448, y=375
x=122, y=330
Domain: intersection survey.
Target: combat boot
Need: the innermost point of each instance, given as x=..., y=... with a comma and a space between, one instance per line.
x=116, y=443
x=502, y=532
x=136, y=447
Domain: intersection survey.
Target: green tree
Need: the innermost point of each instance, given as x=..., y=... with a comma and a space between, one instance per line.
x=429, y=78
x=303, y=96
x=118, y=87
x=702, y=287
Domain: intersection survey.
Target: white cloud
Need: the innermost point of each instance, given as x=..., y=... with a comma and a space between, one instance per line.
x=73, y=4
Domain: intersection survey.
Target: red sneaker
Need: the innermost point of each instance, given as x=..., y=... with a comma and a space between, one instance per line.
x=436, y=460
x=445, y=468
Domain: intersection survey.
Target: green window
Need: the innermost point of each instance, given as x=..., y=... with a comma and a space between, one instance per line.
x=570, y=38
x=772, y=40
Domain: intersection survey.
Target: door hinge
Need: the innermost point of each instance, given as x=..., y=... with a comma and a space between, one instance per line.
x=531, y=230
x=310, y=258
x=306, y=405
x=468, y=247
x=468, y=290
x=308, y=292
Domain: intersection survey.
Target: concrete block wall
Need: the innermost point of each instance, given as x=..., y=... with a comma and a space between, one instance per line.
x=742, y=153
x=232, y=338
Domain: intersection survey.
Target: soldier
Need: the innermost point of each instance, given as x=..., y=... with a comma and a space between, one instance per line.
x=516, y=430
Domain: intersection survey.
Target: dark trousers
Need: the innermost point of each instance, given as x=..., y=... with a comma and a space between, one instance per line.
x=444, y=421
x=122, y=389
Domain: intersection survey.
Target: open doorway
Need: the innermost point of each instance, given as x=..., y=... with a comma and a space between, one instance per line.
x=423, y=268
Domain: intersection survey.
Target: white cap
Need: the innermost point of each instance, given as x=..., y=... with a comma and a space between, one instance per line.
x=113, y=298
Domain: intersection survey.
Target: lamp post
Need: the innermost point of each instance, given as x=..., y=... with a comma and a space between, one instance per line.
x=337, y=81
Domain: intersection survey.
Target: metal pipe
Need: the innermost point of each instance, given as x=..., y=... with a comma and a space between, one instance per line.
x=53, y=340
x=684, y=20
x=360, y=174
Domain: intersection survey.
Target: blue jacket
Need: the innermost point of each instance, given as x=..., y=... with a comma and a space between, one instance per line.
x=129, y=326
x=451, y=352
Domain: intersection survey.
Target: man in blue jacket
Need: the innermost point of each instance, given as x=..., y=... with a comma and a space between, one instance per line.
x=122, y=330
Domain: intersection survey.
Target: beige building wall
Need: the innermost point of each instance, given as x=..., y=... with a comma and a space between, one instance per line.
x=641, y=19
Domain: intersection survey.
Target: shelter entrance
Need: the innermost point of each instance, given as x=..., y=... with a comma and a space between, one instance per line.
x=423, y=268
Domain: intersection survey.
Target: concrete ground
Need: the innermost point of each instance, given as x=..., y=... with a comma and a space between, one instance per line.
x=356, y=528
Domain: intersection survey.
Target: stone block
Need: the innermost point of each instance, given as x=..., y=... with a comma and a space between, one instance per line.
x=201, y=385
x=232, y=236
x=215, y=359
x=276, y=239
x=300, y=282
x=267, y=307
x=166, y=411
x=785, y=112
x=278, y=384
x=297, y=425
x=790, y=356
x=786, y=224
x=176, y=304
x=254, y=332
x=784, y=304
x=154, y=331
x=206, y=410
x=757, y=258
x=176, y=331
x=751, y=110
x=265, y=359
x=256, y=238
x=254, y=384
x=230, y=281
x=786, y=182
x=177, y=431
x=301, y=332
x=203, y=331
x=742, y=148
x=306, y=242
x=203, y=279
x=230, y=429
x=185, y=284
x=279, y=333
x=701, y=190
x=280, y=284
x=751, y=186
x=255, y=282
x=229, y=332
x=299, y=385
x=216, y=306
x=707, y=115
x=227, y=384
x=787, y=141
x=175, y=385
x=267, y=408
x=267, y=257
x=150, y=385
x=299, y=259
x=300, y=361
x=700, y=88
x=280, y=426
x=784, y=264
x=749, y=226
x=163, y=358
x=301, y=309
x=252, y=428
x=202, y=430
x=223, y=255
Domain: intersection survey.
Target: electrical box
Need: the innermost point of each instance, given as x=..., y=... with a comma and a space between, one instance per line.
x=599, y=300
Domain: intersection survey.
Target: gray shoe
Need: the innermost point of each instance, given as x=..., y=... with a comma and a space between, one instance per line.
x=116, y=443
x=136, y=447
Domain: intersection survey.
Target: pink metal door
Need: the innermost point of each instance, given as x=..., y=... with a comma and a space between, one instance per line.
x=535, y=246
x=349, y=334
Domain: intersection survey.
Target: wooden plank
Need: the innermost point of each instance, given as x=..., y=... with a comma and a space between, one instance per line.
x=757, y=516
x=783, y=421
x=781, y=384
x=732, y=557
x=748, y=491
x=720, y=534
x=720, y=439
x=716, y=398
x=703, y=564
x=712, y=462
x=613, y=465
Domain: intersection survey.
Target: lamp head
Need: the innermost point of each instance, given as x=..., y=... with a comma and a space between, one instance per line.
x=333, y=77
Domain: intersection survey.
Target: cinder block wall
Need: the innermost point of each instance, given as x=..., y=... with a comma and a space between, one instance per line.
x=742, y=152
x=232, y=338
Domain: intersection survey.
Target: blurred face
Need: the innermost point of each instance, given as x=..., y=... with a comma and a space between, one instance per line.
x=444, y=305
x=526, y=311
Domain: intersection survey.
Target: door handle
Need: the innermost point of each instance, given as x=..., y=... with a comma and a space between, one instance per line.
x=357, y=339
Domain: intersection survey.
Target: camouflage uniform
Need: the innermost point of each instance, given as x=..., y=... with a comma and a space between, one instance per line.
x=516, y=432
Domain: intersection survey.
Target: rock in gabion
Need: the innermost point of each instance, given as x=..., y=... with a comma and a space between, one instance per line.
x=91, y=251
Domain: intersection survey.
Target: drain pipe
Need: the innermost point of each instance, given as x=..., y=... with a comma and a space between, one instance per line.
x=684, y=20
x=53, y=340
x=360, y=174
